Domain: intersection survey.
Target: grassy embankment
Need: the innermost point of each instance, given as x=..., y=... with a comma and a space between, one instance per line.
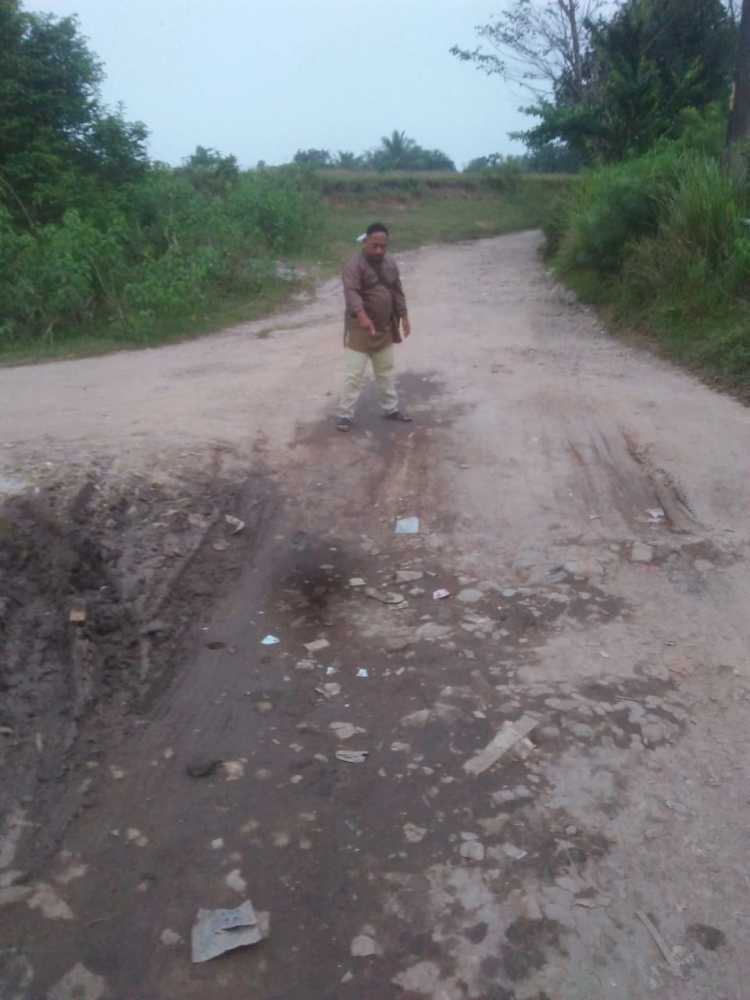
x=175, y=262
x=662, y=244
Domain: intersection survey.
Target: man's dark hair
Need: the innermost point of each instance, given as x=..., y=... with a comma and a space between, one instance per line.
x=377, y=227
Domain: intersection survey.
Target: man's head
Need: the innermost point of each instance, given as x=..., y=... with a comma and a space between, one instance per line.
x=376, y=241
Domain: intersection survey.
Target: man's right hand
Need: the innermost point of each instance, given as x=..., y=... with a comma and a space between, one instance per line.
x=366, y=323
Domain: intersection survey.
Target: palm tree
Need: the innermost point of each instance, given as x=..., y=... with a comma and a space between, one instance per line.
x=347, y=161
x=397, y=150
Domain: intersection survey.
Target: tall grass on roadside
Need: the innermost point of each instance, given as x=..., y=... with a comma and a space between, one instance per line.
x=159, y=250
x=665, y=239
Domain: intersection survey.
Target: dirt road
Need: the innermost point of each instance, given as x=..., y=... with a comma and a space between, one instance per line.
x=588, y=509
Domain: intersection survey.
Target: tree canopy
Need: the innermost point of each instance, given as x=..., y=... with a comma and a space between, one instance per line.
x=56, y=136
x=609, y=83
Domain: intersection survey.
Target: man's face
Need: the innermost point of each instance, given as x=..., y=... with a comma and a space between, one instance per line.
x=375, y=246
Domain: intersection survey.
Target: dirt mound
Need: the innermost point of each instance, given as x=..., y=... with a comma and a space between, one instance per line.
x=94, y=578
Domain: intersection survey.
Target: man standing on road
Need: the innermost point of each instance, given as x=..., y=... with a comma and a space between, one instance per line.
x=375, y=320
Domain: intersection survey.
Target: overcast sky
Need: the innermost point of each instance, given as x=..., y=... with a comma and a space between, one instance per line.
x=262, y=78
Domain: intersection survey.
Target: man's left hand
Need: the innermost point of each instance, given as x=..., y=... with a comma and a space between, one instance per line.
x=405, y=327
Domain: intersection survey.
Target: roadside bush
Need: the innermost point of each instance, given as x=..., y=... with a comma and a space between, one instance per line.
x=698, y=256
x=165, y=251
x=505, y=178
x=614, y=207
x=665, y=238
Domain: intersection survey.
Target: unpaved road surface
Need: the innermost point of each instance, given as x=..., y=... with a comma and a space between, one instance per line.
x=588, y=508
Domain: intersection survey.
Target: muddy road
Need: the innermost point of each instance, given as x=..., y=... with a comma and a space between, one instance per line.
x=588, y=509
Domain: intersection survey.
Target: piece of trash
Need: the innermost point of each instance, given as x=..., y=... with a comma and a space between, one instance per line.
x=218, y=931
x=352, y=756
x=385, y=598
x=441, y=594
x=330, y=671
x=656, y=514
x=317, y=645
x=77, y=616
x=363, y=672
x=661, y=944
x=407, y=526
x=357, y=581
x=270, y=640
x=220, y=546
x=234, y=523
x=516, y=853
x=510, y=734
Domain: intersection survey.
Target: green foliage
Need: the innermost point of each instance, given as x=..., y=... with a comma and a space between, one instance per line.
x=665, y=237
x=609, y=80
x=169, y=250
x=398, y=152
x=316, y=158
x=209, y=171
x=54, y=132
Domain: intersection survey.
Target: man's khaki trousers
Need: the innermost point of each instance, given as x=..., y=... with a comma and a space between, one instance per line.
x=384, y=369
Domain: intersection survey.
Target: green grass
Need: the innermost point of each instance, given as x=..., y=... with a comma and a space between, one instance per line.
x=420, y=221
x=445, y=211
x=662, y=243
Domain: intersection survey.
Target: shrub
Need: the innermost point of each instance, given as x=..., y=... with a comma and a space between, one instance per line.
x=161, y=249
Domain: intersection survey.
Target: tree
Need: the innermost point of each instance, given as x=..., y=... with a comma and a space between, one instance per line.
x=53, y=127
x=398, y=152
x=739, y=119
x=536, y=43
x=313, y=158
x=641, y=69
x=209, y=171
x=348, y=161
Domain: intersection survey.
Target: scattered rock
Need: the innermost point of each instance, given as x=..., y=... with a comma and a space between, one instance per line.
x=170, y=938
x=641, y=553
x=414, y=834
x=418, y=719
x=432, y=632
x=79, y=984
x=363, y=946
x=654, y=733
x=470, y=595
x=408, y=575
x=345, y=730
x=472, y=850
x=236, y=882
x=422, y=978
x=582, y=731
x=317, y=645
x=52, y=905
x=233, y=769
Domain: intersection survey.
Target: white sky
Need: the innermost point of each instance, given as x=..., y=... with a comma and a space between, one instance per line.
x=262, y=78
